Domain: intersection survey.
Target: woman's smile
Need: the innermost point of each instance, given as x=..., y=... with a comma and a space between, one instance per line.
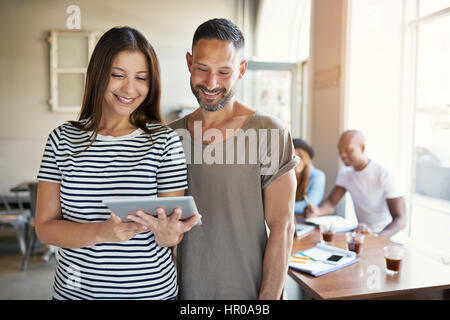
x=124, y=100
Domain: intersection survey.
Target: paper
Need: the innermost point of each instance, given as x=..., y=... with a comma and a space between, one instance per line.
x=320, y=253
x=304, y=229
x=341, y=224
x=331, y=249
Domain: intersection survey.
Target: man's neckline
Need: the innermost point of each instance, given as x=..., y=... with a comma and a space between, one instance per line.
x=238, y=132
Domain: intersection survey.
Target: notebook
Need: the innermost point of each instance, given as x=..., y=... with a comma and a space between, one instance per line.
x=325, y=259
x=303, y=230
x=341, y=224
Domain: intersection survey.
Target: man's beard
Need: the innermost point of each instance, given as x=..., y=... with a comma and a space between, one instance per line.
x=210, y=106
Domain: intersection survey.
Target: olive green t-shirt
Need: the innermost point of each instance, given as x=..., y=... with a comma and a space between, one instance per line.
x=223, y=257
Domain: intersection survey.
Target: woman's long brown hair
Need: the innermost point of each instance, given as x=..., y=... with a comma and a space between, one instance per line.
x=302, y=181
x=98, y=74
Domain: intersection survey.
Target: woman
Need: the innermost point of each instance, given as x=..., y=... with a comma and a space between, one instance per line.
x=310, y=181
x=117, y=148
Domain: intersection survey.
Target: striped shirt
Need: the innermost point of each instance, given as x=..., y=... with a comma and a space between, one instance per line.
x=132, y=165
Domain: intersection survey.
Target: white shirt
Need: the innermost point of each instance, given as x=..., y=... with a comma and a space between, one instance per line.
x=369, y=189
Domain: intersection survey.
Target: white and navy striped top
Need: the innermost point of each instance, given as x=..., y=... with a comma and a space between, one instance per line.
x=113, y=167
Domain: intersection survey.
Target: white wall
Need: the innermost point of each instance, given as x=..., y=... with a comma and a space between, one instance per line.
x=25, y=119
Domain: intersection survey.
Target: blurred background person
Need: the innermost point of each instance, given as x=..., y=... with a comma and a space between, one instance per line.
x=380, y=206
x=310, y=180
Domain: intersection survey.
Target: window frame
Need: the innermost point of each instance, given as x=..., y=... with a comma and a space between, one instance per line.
x=412, y=22
x=298, y=91
x=54, y=100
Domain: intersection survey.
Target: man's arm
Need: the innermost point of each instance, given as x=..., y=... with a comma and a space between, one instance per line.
x=279, y=199
x=328, y=206
x=397, y=207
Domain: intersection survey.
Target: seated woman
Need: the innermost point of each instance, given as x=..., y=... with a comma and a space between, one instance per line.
x=310, y=181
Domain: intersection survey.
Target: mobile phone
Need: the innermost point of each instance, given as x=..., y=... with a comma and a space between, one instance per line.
x=334, y=258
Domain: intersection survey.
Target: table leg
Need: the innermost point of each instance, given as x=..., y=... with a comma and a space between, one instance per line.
x=23, y=229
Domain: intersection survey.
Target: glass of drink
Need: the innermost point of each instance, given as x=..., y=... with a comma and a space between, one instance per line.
x=327, y=232
x=355, y=241
x=393, y=256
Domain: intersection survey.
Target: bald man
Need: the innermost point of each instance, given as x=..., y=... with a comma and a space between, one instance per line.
x=380, y=207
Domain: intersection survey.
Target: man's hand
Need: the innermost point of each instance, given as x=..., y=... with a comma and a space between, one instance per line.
x=168, y=231
x=312, y=211
x=363, y=228
x=328, y=206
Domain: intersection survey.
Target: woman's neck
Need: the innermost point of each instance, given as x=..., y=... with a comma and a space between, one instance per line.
x=115, y=127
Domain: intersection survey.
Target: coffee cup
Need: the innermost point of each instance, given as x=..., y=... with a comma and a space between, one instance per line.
x=355, y=242
x=393, y=256
x=327, y=232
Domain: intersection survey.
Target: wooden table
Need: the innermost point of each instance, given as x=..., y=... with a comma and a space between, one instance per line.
x=366, y=279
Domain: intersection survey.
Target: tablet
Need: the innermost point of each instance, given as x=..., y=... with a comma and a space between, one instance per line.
x=124, y=206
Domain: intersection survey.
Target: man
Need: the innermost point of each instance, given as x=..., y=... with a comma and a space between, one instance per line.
x=380, y=207
x=228, y=147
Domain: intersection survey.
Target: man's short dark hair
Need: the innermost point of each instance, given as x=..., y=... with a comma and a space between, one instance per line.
x=221, y=29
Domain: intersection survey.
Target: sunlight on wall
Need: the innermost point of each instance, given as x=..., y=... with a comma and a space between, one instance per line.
x=375, y=77
x=282, y=31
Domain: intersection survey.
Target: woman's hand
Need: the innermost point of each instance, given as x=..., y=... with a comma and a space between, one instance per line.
x=168, y=231
x=312, y=211
x=115, y=230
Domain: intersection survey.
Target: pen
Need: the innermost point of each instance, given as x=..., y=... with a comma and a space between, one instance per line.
x=307, y=200
x=306, y=256
x=323, y=261
x=297, y=260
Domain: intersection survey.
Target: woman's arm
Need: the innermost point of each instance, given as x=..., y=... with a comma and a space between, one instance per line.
x=317, y=188
x=300, y=206
x=315, y=193
x=51, y=229
x=328, y=206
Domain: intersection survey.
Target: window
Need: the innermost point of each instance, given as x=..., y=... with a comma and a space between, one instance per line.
x=427, y=7
x=274, y=82
x=69, y=56
x=398, y=75
x=430, y=200
x=273, y=87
